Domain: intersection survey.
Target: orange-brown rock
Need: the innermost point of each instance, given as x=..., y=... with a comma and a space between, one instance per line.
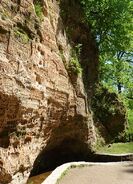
x=41, y=109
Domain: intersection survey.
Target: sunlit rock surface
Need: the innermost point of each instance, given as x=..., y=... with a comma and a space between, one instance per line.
x=40, y=107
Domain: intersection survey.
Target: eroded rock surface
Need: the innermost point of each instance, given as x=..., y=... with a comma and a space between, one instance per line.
x=110, y=115
x=40, y=107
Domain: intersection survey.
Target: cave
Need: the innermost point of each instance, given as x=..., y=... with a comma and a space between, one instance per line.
x=69, y=150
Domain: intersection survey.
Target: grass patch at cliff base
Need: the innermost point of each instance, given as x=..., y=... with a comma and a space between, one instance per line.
x=117, y=148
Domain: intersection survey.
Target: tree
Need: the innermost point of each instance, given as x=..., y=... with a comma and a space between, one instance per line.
x=112, y=28
x=109, y=21
x=117, y=71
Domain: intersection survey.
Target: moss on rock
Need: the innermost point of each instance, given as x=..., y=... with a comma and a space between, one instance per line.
x=110, y=112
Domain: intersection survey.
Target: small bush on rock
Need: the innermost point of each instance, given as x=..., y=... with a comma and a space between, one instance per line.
x=38, y=9
x=74, y=66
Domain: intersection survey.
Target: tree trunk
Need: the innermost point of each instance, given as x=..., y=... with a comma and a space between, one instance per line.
x=119, y=86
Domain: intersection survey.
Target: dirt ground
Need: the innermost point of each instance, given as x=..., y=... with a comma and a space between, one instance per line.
x=100, y=174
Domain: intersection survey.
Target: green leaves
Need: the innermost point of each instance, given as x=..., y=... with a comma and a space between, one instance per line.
x=38, y=9
x=114, y=70
x=74, y=66
x=111, y=24
x=109, y=21
x=112, y=28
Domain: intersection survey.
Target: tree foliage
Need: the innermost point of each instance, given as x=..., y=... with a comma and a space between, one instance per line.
x=111, y=22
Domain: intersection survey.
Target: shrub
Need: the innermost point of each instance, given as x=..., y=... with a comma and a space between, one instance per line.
x=74, y=66
x=110, y=112
x=38, y=9
x=22, y=36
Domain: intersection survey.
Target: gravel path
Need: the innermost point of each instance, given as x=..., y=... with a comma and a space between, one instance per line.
x=100, y=174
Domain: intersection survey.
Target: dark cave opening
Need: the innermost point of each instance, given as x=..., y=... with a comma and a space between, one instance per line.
x=67, y=151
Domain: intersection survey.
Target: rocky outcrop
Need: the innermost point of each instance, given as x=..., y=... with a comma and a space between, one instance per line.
x=41, y=108
x=109, y=115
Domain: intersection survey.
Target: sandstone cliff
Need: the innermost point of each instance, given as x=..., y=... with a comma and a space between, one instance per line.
x=44, y=111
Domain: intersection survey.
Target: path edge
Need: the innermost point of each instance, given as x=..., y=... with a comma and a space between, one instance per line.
x=57, y=173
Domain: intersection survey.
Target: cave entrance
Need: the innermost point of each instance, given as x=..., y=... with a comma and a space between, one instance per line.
x=52, y=156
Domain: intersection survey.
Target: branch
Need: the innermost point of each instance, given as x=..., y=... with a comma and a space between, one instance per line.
x=131, y=98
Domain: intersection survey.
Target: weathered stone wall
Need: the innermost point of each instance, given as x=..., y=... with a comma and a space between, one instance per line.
x=109, y=115
x=40, y=107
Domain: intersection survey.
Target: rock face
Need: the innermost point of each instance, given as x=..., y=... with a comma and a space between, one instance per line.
x=41, y=109
x=110, y=114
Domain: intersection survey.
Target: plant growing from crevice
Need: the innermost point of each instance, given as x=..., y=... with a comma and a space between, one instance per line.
x=38, y=9
x=74, y=66
x=22, y=36
x=5, y=14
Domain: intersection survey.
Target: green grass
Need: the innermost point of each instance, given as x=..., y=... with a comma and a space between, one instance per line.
x=117, y=148
x=62, y=175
